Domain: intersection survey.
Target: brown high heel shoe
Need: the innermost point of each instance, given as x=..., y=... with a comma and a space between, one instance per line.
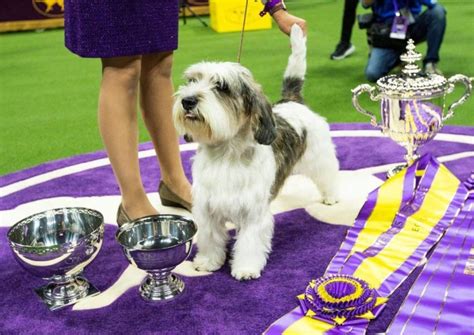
x=122, y=216
x=169, y=198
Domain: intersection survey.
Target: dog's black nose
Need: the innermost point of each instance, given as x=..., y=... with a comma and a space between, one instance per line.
x=189, y=102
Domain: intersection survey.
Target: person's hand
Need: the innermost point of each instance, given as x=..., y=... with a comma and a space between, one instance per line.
x=285, y=21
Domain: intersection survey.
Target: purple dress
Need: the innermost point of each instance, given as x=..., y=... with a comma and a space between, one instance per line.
x=113, y=28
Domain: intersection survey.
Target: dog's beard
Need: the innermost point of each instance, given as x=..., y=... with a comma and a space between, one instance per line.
x=209, y=122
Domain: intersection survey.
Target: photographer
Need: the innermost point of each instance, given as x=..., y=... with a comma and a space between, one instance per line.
x=394, y=21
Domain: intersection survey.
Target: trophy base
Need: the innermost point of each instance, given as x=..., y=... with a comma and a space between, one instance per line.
x=410, y=158
x=393, y=171
x=159, y=289
x=59, y=295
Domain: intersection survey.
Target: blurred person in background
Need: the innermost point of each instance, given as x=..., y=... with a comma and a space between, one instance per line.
x=396, y=21
x=345, y=48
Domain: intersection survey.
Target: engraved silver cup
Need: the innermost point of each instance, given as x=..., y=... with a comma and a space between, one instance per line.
x=57, y=245
x=157, y=244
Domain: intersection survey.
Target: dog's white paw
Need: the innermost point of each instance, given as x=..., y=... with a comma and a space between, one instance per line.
x=245, y=273
x=209, y=264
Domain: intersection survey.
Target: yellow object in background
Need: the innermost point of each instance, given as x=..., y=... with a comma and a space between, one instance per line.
x=228, y=15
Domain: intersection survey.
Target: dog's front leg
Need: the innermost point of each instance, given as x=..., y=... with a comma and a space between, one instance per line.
x=211, y=241
x=254, y=243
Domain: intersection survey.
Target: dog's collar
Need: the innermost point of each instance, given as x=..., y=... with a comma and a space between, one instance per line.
x=272, y=6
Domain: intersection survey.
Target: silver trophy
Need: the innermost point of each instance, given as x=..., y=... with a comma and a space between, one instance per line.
x=57, y=245
x=412, y=104
x=157, y=244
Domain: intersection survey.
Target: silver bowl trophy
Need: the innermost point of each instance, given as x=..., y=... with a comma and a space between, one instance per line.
x=412, y=104
x=157, y=244
x=56, y=245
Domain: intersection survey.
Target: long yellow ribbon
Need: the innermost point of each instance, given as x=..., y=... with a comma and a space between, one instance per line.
x=376, y=269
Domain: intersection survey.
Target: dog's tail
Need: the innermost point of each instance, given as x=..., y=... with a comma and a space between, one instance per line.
x=293, y=79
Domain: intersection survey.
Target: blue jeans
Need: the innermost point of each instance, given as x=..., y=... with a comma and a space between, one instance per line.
x=429, y=26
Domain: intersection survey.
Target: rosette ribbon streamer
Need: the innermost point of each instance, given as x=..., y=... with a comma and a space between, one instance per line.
x=397, y=226
x=441, y=300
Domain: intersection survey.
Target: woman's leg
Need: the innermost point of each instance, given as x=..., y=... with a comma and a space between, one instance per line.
x=119, y=130
x=156, y=99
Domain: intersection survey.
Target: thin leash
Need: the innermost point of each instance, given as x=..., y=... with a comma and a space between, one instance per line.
x=242, y=32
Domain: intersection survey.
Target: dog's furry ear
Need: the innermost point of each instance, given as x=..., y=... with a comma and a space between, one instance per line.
x=261, y=114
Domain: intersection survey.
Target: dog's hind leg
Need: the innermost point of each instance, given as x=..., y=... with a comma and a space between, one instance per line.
x=325, y=176
x=211, y=242
x=320, y=164
x=252, y=246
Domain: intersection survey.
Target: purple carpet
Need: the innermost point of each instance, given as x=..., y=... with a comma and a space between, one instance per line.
x=216, y=304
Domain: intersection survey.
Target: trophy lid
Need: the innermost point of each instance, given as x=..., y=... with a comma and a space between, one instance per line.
x=412, y=82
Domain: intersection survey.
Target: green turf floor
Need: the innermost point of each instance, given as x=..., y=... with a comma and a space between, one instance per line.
x=48, y=96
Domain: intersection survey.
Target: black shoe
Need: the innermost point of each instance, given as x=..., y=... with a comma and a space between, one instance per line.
x=342, y=51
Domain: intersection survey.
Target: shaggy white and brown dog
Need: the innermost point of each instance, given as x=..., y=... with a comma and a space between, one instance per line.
x=247, y=149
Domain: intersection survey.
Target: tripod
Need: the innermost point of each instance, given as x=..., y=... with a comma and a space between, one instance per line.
x=184, y=5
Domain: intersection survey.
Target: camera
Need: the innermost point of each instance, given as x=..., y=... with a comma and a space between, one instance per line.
x=365, y=20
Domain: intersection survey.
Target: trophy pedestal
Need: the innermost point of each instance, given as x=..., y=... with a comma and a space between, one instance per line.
x=161, y=288
x=393, y=171
x=59, y=294
x=410, y=157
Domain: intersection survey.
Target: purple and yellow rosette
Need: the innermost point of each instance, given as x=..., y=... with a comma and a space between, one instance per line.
x=337, y=299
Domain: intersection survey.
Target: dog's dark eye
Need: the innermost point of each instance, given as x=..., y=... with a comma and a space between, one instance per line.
x=192, y=80
x=222, y=86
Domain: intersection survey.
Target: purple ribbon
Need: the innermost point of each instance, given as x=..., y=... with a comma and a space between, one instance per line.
x=415, y=190
x=409, y=184
x=393, y=281
x=469, y=183
x=458, y=305
x=441, y=300
x=395, y=6
x=333, y=296
x=338, y=260
x=414, y=193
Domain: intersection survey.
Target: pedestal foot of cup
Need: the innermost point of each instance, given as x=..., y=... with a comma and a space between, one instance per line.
x=161, y=289
x=58, y=295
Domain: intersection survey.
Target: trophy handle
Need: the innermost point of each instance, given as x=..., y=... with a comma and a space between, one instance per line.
x=355, y=101
x=466, y=81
